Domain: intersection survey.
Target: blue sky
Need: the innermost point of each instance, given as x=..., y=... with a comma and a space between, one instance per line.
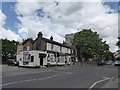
x=57, y=23
x=113, y=5
x=11, y=20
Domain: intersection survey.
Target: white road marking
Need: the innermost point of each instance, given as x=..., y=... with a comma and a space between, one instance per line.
x=36, y=79
x=105, y=78
x=114, y=76
x=24, y=73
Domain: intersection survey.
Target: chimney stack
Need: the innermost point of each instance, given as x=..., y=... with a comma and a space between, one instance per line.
x=40, y=34
x=51, y=38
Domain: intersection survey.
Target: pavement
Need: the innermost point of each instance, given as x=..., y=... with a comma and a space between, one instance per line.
x=73, y=76
x=114, y=82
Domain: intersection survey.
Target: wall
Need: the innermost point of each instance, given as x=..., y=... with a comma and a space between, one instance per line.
x=64, y=50
x=28, y=43
x=57, y=48
x=69, y=38
x=39, y=44
x=19, y=48
x=48, y=46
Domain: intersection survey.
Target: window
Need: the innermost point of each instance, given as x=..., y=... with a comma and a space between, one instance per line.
x=59, y=59
x=48, y=58
x=62, y=59
x=28, y=48
x=52, y=46
x=65, y=58
x=48, y=55
x=60, y=48
x=32, y=58
x=29, y=56
x=26, y=57
x=52, y=58
x=67, y=50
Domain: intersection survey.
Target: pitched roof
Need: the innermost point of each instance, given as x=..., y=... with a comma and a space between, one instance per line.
x=53, y=42
x=29, y=39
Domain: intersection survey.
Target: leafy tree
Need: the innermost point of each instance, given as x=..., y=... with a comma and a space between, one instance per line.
x=118, y=43
x=8, y=48
x=109, y=55
x=89, y=45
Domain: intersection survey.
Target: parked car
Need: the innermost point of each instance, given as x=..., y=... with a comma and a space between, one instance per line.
x=12, y=62
x=109, y=62
x=117, y=63
x=101, y=62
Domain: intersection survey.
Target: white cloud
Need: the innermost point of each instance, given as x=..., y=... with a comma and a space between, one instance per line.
x=66, y=18
x=4, y=33
x=21, y=8
x=10, y=35
x=2, y=19
x=32, y=27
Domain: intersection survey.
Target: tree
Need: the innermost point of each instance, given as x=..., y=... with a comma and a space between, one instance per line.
x=89, y=45
x=118, y=43
x=8, y=48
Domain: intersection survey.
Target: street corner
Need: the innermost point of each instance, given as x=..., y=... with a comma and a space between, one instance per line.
x=113, y=82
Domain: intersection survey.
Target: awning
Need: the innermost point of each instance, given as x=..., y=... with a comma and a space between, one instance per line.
x=72, y=55
x=62, y=54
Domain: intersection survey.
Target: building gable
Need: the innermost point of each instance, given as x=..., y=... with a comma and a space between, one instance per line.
x=27, y=45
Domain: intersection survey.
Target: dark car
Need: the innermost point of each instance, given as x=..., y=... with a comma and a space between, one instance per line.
x=101, y=62
x=12, y=62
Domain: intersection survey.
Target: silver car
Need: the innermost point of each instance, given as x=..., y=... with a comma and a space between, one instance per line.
x=109, y=62
x=117, y=63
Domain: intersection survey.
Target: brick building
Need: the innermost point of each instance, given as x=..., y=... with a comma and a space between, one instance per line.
x=49, y=51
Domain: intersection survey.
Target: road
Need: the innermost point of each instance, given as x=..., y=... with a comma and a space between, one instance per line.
x=87, y=76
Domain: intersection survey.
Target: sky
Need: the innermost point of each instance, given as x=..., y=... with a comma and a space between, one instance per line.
x=21, y=20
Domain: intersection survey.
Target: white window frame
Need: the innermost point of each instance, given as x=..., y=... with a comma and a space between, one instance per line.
x=28, y=48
